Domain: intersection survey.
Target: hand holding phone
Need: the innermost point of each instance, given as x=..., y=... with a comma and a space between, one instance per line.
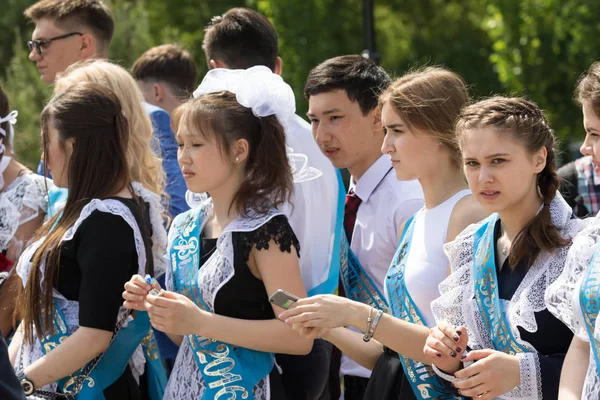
x=283, y=299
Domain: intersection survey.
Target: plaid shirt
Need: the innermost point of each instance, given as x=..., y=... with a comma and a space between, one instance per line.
x=588, y=184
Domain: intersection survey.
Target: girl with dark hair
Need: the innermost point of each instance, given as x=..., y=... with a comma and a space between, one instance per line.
x=23, y=206
x=573, y=297
x=236, y=248
x=75, y=338
x=492, y=308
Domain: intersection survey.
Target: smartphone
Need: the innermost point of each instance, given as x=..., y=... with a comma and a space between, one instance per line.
x=283, y=299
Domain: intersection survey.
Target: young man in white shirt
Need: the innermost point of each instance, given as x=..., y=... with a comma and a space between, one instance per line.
x=346, y=124
x=240, y=39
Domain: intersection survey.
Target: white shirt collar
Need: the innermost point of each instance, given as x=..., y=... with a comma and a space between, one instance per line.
x=371, y=178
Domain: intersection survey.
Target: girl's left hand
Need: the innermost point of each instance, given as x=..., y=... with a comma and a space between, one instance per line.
x=174, y=313
x=494, y=374
x=322, y=311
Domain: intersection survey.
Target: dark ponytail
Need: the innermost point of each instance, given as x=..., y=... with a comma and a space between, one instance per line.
x=525, y=121
x=268, y=182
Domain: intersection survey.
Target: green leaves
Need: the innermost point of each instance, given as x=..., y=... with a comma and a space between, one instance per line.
x=536, y=48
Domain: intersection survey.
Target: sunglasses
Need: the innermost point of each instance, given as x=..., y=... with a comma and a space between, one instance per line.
x=39, y=44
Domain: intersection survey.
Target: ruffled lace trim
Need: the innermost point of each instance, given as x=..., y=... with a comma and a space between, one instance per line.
x=186, y=380
x=22, y=201
x=457, y=305
x=591, y=386
x=562, y=296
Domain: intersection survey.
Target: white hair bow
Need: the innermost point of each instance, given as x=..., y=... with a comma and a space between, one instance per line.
x=265, y=93
x=257, y=88
x=11, y=118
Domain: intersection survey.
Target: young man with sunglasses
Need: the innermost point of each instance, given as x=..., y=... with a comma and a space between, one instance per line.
x=67, y=31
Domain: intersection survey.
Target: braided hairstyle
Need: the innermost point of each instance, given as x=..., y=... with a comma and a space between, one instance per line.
x=527, y=124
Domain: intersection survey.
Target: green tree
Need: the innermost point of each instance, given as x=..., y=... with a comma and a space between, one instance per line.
x=27, y=94
x=540, y=47
x=536, y=48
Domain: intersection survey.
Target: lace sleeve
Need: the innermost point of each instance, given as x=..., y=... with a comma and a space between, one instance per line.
x=21, y=202
x=562, y=296
x=455, y=289
x=277, y=230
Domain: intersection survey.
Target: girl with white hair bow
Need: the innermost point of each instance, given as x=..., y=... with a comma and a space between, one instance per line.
x=236, y=248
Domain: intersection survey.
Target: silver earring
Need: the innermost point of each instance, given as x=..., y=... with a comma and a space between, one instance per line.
x=237, y=160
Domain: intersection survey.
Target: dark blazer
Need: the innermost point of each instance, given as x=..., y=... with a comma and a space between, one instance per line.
x=10, y=388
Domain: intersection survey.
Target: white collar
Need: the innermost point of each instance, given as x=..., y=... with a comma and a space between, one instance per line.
x=369, y=181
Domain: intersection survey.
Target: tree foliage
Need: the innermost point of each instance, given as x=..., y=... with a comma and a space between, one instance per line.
x=535, y=48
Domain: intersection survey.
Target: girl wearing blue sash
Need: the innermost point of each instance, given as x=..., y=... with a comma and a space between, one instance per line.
x=23, y=206
x=235, y=249
x=574, y=296
x=419, y=111
x=493, y=303
x=74, y=271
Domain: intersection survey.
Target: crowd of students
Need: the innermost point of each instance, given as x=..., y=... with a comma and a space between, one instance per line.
x=141, y=261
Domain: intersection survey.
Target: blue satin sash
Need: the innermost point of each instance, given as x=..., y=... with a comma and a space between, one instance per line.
x=57, y=198
x=423, y=380
x=111, y=365
x=227, y=371
x=486, y=289
x=589, y=298
x=358, y=285
x=156, y=376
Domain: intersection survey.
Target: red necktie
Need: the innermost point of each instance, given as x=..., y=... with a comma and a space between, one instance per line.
x=350, y=210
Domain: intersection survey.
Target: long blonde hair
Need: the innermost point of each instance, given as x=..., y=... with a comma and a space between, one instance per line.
x=144, y=165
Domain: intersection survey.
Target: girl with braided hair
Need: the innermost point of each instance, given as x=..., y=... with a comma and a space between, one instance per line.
x=493, y=302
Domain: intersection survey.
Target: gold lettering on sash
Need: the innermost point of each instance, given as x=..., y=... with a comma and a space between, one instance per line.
x=220, y=367
x=69, y=385
x=231, y=391
x=487, y=297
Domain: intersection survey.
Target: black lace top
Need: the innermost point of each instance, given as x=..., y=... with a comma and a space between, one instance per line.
x=244, y=296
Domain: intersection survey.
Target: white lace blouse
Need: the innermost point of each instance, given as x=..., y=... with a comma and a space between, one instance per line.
x=20, y=202
x=458, y=306
x=563, y=297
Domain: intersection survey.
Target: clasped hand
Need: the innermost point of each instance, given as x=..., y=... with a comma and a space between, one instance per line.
x=493, y=374
x=314, y=316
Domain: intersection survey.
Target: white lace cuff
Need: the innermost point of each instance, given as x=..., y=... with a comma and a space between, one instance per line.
x=443, y=375
x=531, y=378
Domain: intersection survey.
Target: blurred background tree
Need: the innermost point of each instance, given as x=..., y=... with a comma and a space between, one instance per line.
x=535, y=48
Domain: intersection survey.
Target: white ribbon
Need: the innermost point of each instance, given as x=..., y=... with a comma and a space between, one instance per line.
x=257, y=88
x=265, y=93
x=11, y=118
